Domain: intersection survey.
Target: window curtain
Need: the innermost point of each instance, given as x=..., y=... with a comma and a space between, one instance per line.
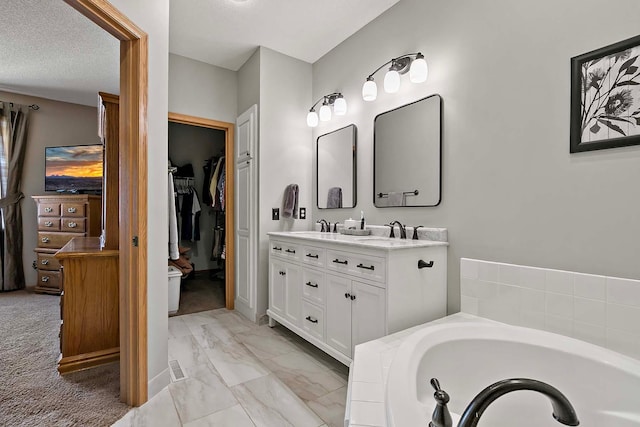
x=13, y=141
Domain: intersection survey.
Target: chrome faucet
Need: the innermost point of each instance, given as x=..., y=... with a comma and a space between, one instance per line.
x=563, y=412
x=326, y=227
x=403, y=230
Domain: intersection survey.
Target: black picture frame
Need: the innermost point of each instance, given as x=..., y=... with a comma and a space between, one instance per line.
x=605, y=97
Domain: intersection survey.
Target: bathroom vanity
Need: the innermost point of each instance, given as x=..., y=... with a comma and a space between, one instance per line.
x=337, y=291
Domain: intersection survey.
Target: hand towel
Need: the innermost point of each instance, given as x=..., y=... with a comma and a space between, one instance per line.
x=396, y=198
x=334, y=198
x=290, y=201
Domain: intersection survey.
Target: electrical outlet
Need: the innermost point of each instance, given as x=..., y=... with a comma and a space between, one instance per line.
x=275, y=214
x=303, y=213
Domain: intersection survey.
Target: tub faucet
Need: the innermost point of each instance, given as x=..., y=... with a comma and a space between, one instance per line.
x=326, y=227
x=403, y=230
x=441, y=416
x=563, y=412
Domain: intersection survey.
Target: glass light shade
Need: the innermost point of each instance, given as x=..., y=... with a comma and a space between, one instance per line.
x=369, y=91
x=325, y=113
x=419, y=71
x=312, y=119
x=392, y=81
x=340, y=107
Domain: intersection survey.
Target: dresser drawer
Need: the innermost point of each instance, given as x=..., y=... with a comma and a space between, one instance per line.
x=49, y=279
x=285, y=250
x=55, y=240
x=76, y=225
x=73, y=209
x=49, y=224
x=48, y=209
x=313, y=256
x=313, y=286
x=47, y=262
x=313, y=320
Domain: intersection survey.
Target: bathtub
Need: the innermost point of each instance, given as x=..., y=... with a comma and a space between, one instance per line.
x=603, y=386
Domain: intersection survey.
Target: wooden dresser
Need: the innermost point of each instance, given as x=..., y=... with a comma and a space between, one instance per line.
x=89, y=331
x=61, y=218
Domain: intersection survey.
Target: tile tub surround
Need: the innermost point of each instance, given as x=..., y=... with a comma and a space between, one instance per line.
x=598, y=309
x=241, y=374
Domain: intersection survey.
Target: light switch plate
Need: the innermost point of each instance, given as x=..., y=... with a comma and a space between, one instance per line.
x=303, y=213
x=275, y=214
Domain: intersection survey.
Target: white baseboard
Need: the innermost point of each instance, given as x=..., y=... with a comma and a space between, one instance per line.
x=157, y=383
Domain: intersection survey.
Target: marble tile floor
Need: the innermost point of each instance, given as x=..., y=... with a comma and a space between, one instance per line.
x=240, y=374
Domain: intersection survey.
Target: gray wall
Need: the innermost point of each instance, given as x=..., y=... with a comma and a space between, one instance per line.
x=511, y=190
x=54, y=124
x=193, y=144
x=249, y=83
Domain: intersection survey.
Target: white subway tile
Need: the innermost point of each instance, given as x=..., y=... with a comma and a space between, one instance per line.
x=623, y=342
x=559, y=305
x=623, y=291
x=589, y=311
x=532, y=300
x=486, y=290
x=623, y=318
x=589, y=286
x=469, y=305
x=468, y=287
x=533, y=319
x=368, y=413
x=590, y=333
x=367, y=392
x=560, y=282
x=468, y=268
x=509, y=274
x=532, y=278
x=559, y=325
x=488, y=271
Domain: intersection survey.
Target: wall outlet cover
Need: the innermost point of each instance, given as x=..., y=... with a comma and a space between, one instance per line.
x=303, y=213
x=275, y=214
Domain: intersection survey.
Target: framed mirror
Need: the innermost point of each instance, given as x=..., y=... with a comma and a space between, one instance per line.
x=407, y=155
x=336, y=169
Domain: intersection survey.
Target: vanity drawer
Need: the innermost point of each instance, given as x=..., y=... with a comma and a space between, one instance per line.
x=285, y=250
x=313, y=256
x=338, y=261
x=313, y=287
x=55, y=240
x=48, y=209
x=73, y=209
x=313, y=320
x=48, y=262
x=49, y=279
x=48, y=224
x=73, y=224
x=364, y=266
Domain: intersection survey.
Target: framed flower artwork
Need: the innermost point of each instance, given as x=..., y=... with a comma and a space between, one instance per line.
x=605, y=97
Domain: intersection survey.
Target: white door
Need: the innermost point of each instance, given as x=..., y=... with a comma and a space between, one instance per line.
x=368, y=313
x=293, y=289
x=246, y=213
x=338, y=318
x=277, y=283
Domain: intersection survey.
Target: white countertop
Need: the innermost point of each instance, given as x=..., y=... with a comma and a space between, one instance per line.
x=371, y=241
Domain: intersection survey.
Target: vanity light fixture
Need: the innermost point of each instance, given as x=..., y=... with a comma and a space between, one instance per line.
x=412, y=62
x=333, y=99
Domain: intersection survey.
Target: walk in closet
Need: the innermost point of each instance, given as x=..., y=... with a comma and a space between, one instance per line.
x=197, y=170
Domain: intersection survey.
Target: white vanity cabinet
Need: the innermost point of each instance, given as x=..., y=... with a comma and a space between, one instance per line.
x=337, y=292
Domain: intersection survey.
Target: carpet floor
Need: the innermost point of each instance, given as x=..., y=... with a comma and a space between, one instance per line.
x=201, y=293
x=32, y=393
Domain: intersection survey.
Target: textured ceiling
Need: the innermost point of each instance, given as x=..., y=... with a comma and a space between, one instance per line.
x=51, y=51
x=226, y=32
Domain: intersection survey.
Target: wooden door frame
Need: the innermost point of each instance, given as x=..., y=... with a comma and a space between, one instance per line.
x=229, y=192
x=132, y=194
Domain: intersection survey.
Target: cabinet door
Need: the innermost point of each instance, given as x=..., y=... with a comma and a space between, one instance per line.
x=368, y=311
x=293, y=291
x=338, y=313
x=277, y=287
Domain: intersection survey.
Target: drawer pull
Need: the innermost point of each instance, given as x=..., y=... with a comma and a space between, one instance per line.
x=44, y=262
x=45, y=279
x=311, y=285
x=371, y=267
x=422, y=264
x=337, y=261
x=45, y=240
x=48, y=224
x=347, y=295
x=72, y=225
x=276, y=248
x=316, y=256
x=311, y=319
x=282, y=273
x=48, y=209
x=71, y=210
x=352, y=297
x=290, y=251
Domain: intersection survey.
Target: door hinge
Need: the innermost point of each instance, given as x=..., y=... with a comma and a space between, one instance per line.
x=135, y=241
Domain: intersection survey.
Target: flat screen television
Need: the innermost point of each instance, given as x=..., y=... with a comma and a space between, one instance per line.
x=74, y=169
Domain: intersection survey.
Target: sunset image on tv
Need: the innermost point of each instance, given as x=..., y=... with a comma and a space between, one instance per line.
x=73, y=168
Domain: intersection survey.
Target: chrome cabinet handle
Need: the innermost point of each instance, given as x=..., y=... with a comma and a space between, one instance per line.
x=45, y=240
x=337, y=261
x=71, y=210
x=311, y=319
x=72, y=225
x=48, y=209
x=44, y=262
x=371, y=267
x=48, y=224
x=311, y=285
x=45, y=279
